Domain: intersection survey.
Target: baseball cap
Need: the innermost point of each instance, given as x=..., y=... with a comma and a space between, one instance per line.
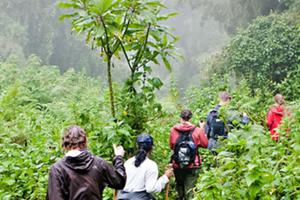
x=145, y=138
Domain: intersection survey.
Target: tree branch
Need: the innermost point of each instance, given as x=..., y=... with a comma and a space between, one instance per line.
x=141, y=50
x=106, y=36
x=148, y=60
x=126, y=56
x=124, y=32
x=105, y=50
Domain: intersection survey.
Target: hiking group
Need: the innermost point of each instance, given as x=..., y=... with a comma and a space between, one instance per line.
x=80, y=175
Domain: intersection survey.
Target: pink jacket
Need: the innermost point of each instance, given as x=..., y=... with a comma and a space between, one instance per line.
x=199, y=138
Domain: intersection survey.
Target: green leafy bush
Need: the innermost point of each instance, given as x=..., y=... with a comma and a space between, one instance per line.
x=290, y=86
x=252, y=166
x=266, y=50
x=37, y=103
x=202, y=99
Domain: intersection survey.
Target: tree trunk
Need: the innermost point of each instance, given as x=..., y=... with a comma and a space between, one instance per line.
x=111, y=92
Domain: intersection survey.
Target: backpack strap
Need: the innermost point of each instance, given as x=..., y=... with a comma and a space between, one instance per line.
x=187, y=133
x=191, y=133
x=197, y=153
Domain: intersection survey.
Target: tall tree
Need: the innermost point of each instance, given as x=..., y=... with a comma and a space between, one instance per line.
x=130, y=27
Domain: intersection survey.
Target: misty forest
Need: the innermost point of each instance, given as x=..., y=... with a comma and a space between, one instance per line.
x=119, y=68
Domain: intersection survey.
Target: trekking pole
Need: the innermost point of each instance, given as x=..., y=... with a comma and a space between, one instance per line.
x=115, y=195
x=167, y=191
x=169, y=166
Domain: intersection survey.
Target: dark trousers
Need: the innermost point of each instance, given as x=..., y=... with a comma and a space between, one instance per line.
x=185, y=181
x=143, y=195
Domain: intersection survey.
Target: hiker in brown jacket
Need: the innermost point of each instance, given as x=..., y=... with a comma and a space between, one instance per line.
x=81, y=175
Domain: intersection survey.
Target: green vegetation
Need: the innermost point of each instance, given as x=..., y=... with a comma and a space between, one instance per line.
x=134, y=29
x=266, y=51
x=37, y=102
x=250, y=166
x=266, y=54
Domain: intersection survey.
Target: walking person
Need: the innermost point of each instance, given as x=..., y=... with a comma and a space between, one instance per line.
x=185, y=139
x=216, y=126
x=142, y=173
x=275, y=115
x=79, y=174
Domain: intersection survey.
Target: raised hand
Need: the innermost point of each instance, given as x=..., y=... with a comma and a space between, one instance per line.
x=118, y=150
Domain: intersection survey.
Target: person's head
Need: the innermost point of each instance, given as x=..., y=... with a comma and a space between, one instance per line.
x=279, y=99
x=74, y=137
x=186, y=115
x=224, y=98
x=145, y=144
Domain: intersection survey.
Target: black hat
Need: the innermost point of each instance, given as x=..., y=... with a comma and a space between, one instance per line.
x=145, y=138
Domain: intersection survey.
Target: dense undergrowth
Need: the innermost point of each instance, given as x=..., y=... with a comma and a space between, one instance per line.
x=251, y=166
x=37, y=103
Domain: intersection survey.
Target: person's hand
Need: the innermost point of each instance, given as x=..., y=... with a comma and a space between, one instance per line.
x=245, y=119
x=119, y=150
x=201, y=124
x=169, y=171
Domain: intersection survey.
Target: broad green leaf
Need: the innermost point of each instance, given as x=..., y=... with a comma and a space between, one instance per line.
x=64, y=5
x=167, y=64
x=99, y=31
x=156, y=82
x=62, y=17
x=167, y=16
x=102, y=6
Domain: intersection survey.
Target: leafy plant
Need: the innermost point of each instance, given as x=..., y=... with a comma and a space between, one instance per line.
x=131, y=27
x=290, y=86
x=37, y=103
x=265, y=51
x=250, y=165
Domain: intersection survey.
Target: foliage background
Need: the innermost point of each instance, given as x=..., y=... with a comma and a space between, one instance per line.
x=37, y=101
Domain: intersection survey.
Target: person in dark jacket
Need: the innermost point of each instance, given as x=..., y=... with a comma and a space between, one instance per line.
x=186, y=177
x=216, y=127
x=79, y=174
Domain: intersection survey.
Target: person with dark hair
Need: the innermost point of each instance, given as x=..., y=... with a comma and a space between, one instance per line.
x=216, y=126
x=185, y=139
x=81, y=175
x=275, y=115
x=142, y=173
